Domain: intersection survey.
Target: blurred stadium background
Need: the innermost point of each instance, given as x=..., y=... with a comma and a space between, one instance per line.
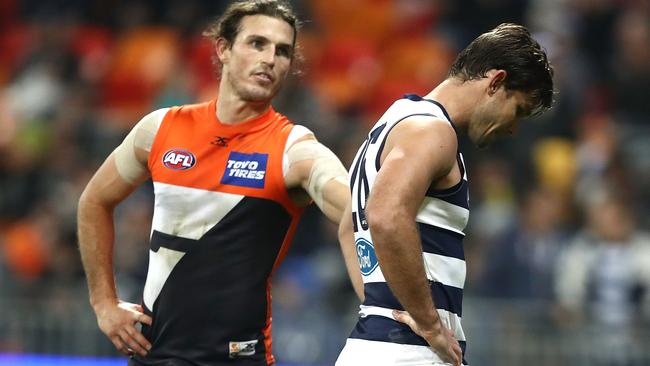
x=558, y=251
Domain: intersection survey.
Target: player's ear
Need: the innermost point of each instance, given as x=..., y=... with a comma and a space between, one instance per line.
x=223, y=49
x=497, y=80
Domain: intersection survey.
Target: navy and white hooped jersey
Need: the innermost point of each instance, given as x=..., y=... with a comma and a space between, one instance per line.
x=441, y=219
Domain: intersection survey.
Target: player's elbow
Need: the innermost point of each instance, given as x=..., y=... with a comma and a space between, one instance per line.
x=85, y=199
x=382, y=220
x=85, y=205
x=90, y=200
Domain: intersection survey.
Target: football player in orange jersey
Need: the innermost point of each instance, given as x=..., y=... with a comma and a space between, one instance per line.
x=224, y=212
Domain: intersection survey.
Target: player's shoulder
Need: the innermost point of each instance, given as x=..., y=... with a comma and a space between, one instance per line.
x=415, y=112
x=425, y=138
x=298, y=133
x=156, y=114
x=152, y=120
x=425, y=126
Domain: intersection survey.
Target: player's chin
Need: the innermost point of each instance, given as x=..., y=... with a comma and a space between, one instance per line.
x=258, y=94
x=268, y=90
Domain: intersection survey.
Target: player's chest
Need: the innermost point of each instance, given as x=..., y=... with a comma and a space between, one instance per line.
x=214, y=162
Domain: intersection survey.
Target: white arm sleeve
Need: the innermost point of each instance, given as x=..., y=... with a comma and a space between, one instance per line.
x=326, y=166
x=141, y=137
x=296, y=133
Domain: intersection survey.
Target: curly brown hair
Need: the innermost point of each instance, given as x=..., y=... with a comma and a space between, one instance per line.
x=510, y=47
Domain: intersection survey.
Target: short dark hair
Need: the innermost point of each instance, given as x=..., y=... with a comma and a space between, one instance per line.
x=228, y=25
x=509, y=47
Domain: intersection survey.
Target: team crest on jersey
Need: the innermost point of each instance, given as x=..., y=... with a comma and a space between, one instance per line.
x=367, y=258
x=178, y=159
x=245, y=170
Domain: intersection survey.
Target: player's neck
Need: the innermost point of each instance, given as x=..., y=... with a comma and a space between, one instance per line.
x=232, y=110
x=459, y=99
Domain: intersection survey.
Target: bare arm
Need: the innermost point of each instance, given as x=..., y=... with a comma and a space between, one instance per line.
x=116, y=179
x=96, y=232
x=96, y=235
x=418, y=152
x=320, y=174
x=346, y=239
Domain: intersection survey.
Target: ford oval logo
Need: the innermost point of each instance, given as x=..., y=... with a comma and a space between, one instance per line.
x=367, y=258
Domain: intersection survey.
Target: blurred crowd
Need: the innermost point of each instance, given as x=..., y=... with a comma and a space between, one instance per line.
x=560, y=213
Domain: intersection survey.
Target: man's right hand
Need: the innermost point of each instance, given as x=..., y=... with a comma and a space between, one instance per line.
x=441, y=340
x=117, y=321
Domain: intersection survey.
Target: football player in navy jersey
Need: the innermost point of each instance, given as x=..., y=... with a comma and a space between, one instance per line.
x=410, y=199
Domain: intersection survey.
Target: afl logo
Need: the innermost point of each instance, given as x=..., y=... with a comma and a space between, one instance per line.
x=367, y=258
x=178, y=159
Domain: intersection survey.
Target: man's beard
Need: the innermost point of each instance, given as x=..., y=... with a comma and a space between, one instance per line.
x=253, y=95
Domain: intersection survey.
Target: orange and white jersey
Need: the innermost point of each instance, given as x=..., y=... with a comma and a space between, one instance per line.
x=223, y=220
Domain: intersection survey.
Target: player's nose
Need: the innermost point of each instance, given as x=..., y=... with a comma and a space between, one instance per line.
x=268, y=56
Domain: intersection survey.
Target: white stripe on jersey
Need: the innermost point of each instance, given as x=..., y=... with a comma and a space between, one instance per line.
x=436, y=212
x=447, y=270
x=189, y=212
x=161, y=264
x=443, y=269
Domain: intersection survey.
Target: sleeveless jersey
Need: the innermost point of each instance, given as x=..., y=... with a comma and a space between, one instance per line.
x=441, y=220
x=223, y=220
